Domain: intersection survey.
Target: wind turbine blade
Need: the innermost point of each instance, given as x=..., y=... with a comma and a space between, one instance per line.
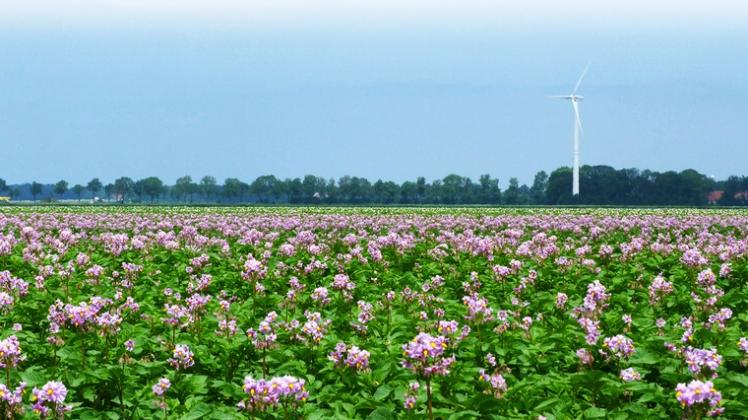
x=579, y=120
x=579, y=82
x=559, y=97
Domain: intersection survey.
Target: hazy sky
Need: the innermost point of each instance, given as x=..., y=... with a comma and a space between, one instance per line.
x=382, y=89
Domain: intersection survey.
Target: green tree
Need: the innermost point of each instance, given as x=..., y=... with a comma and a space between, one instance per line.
x=152, y=187
x=61, y=187
x=313, y=188
x=232, y=188
x=36, y=189
x=208, y=187
x=558, y=190
x=123, y=187
x=408, y=193
x=94, y=186
x=489, y=192
x=295, y=190
x=512, y=193
x=421, y=189
x=3, y=185
x=539, y=186
x=109, y=190
x=267, y=188
x=184, y=187
x=78, y=190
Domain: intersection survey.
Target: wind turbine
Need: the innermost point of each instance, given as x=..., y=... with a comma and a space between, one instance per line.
x=575, y=100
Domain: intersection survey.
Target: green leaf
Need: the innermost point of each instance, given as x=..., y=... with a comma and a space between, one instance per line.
x=595, y=413
x=198, y=411
x=382, y=392
x=196, y=384
x=381, y=413
x=33, y=376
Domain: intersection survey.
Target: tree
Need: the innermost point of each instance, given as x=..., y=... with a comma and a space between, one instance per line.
x=452, y=188
x=408, y=193
x=489, y=192
x=512, y=194
x=386, y=192
x=94, y=186
x=36, y=189
x=558, y=190
x=267, y=188
x=109, y=190
x=539, y=185
x=421, y=189
x=295, y=190
x=151, y=187
x=3, y=185
x=312, y=188
x=354, y=190
x=61, y=187
x=232, y=188
x=78, y=190
x=123, y=187
x=184, y=187
x=208, y=186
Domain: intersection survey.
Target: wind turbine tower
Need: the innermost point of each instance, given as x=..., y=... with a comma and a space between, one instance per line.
x=575, y=100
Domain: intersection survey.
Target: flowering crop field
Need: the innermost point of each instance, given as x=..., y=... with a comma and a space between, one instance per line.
x=224, y=313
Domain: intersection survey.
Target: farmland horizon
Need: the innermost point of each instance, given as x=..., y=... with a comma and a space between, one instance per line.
x=602, y=185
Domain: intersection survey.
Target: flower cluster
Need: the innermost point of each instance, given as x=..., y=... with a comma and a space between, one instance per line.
x=596, y=299
x=10, y=352
x=13, y=400
x=619, y=346
x=561, y=300
x=411, y=396
x=182, y=357
x=743, y=346
x=585, y=357
x=629, y=375
x=365, y=315
x=701, y=361
x=452, y=330
x=699, y=395
x=496, y=382
x=50, y=399
x=424, y=355
x=159, y=390
x=253, y=269
x=658, y=289
x=160, y=387
x=314, y=328
x=320, y=295
x=344, y=284
x=719, y=319
x=264, y=337
x=591, y=329
x=265, y=394
x=352, y=357
x=478, y=309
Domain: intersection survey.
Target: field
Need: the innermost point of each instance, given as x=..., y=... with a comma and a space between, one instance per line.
x=186, y=313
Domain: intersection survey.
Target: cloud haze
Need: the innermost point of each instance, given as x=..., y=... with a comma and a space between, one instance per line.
x=379, y=89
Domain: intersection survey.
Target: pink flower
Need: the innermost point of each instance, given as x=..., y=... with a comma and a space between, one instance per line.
x=160, y=387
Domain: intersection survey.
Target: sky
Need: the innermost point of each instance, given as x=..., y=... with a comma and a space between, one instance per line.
x=382, y=89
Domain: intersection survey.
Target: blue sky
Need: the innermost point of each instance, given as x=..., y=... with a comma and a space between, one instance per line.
x=384, y=89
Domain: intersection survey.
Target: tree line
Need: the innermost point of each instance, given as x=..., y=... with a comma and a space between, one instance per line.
x=600, y=185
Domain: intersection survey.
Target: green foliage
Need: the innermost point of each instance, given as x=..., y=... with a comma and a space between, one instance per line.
x=543, y=374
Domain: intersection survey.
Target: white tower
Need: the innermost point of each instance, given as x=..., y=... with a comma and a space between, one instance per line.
x=575, y=100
